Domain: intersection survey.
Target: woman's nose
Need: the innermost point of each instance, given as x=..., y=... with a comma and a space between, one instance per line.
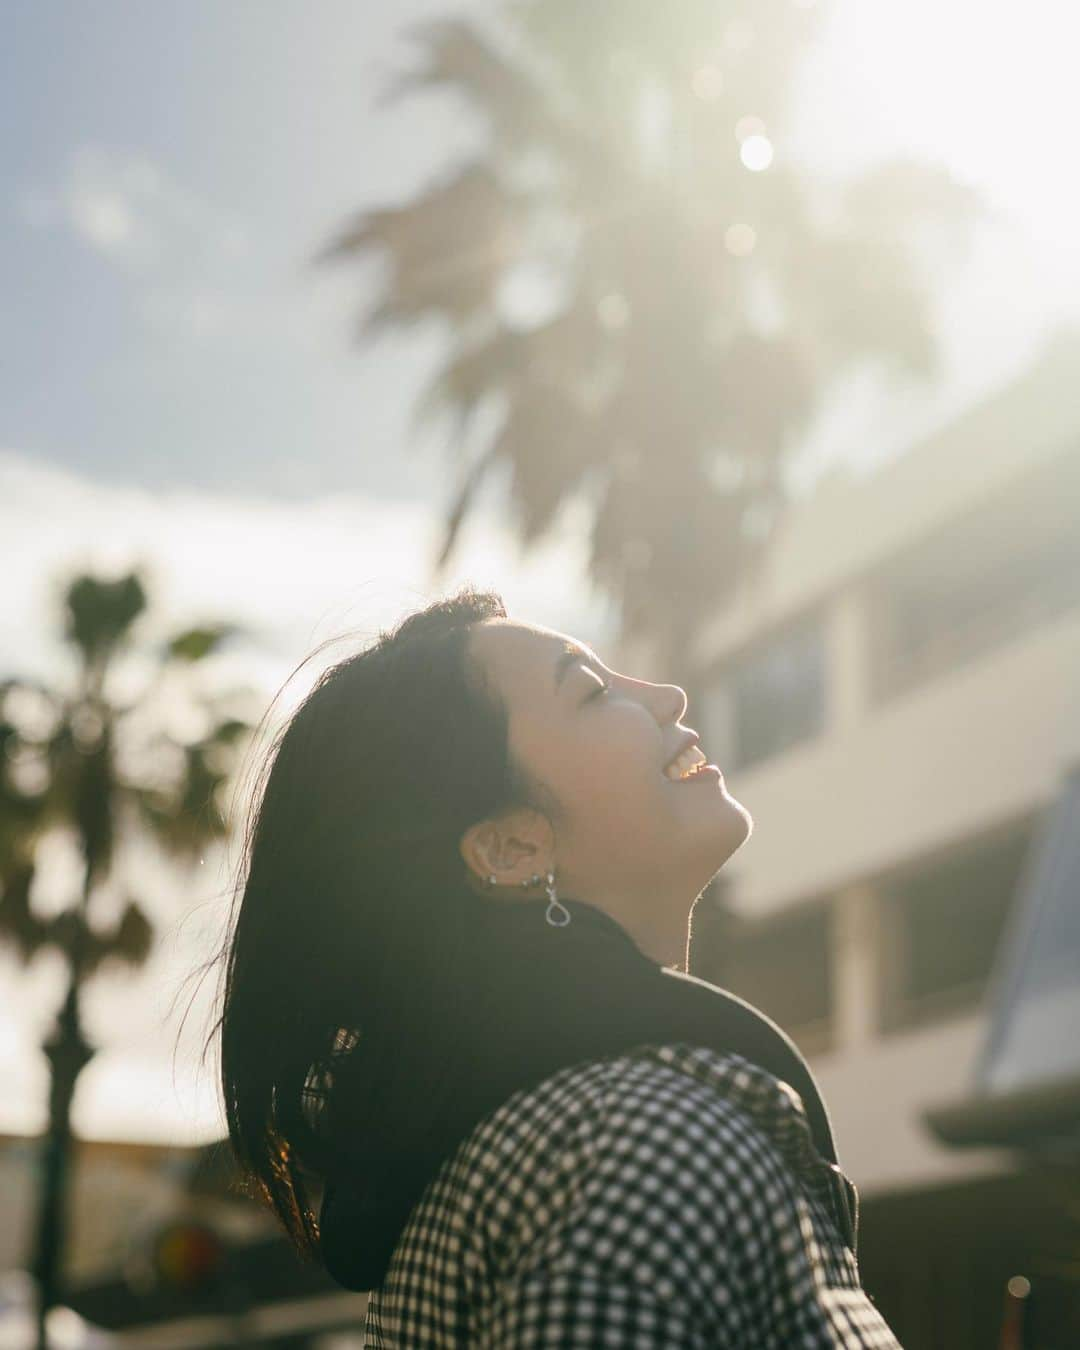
x=672, y=702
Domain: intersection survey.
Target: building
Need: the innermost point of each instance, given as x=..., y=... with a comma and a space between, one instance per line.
x=896, y=700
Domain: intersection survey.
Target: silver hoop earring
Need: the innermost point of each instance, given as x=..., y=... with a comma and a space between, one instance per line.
x=555, y=903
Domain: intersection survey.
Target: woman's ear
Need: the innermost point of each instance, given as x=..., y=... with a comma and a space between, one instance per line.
x=477, y=846
x=511, y=847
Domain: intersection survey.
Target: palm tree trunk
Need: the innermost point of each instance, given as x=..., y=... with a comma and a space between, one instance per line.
x=68, y=1053
x=67, y=1049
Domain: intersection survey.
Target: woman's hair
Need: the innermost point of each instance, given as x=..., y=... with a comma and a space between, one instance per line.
x=352, y=886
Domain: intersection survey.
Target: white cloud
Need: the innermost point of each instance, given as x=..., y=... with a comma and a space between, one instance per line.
x=194, y=267
x=105, y=220
x=128, y=208
x=281, y=564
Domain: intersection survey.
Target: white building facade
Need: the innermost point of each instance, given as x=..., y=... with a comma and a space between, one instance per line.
x=896, y=701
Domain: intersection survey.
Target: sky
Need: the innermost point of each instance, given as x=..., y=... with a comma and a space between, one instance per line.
x=180, y=386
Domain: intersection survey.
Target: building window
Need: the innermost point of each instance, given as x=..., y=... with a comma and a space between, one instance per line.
x=941, y=924
x=770, y=698
x=781, y=964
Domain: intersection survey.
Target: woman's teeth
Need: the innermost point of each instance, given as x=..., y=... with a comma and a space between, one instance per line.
x=687, y=763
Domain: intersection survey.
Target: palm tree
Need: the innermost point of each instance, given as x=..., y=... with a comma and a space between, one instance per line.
x=72, y=760
x=700, y=298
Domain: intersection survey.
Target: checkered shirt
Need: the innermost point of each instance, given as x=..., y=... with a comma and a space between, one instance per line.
x=666, y=1196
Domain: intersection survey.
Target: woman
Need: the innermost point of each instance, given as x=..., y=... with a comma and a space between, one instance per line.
x=450, y=1008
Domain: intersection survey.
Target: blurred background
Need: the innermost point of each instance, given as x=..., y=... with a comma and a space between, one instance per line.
x=740, y=340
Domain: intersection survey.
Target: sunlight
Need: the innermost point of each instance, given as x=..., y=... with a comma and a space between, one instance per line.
x=971, y=85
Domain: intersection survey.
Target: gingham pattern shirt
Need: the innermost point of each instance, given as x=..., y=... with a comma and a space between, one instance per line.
x=667, y=1196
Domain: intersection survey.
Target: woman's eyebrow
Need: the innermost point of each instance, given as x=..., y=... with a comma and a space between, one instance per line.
x=570, y=656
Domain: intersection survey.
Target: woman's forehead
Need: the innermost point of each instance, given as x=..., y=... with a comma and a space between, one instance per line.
x=517, y=652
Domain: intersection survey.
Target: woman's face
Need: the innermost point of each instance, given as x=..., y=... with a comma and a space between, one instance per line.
x=625, y=837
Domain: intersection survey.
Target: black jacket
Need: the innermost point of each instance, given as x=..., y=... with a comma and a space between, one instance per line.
x=510, y=1001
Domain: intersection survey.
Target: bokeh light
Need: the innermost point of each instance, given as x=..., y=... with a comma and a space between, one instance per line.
x=740, y=239
x=613, y=311
x=756, y=153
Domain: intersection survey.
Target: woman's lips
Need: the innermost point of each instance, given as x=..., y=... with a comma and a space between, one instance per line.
x=707, y=771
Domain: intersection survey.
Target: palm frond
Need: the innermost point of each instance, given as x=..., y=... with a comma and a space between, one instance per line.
x=477, y=370
x=19, y=926
x=193, y=644
x=457, y=55
x=709, y=308
x=446, y=251
x=62, y=773
x=463, y=498
x=864, y=297
x=100, y=613
x=128, y=942
x=228, y=731
x=891, y=197
x=186, y=815
x=549, y=439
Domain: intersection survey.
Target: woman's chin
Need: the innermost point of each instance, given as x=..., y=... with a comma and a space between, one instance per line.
x=745, y=816
x=734, y=825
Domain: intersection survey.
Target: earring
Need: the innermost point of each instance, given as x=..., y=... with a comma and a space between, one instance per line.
x=553, y=901
x=489, y=881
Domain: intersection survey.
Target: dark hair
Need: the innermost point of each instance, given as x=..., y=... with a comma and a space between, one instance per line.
x=352, y=875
